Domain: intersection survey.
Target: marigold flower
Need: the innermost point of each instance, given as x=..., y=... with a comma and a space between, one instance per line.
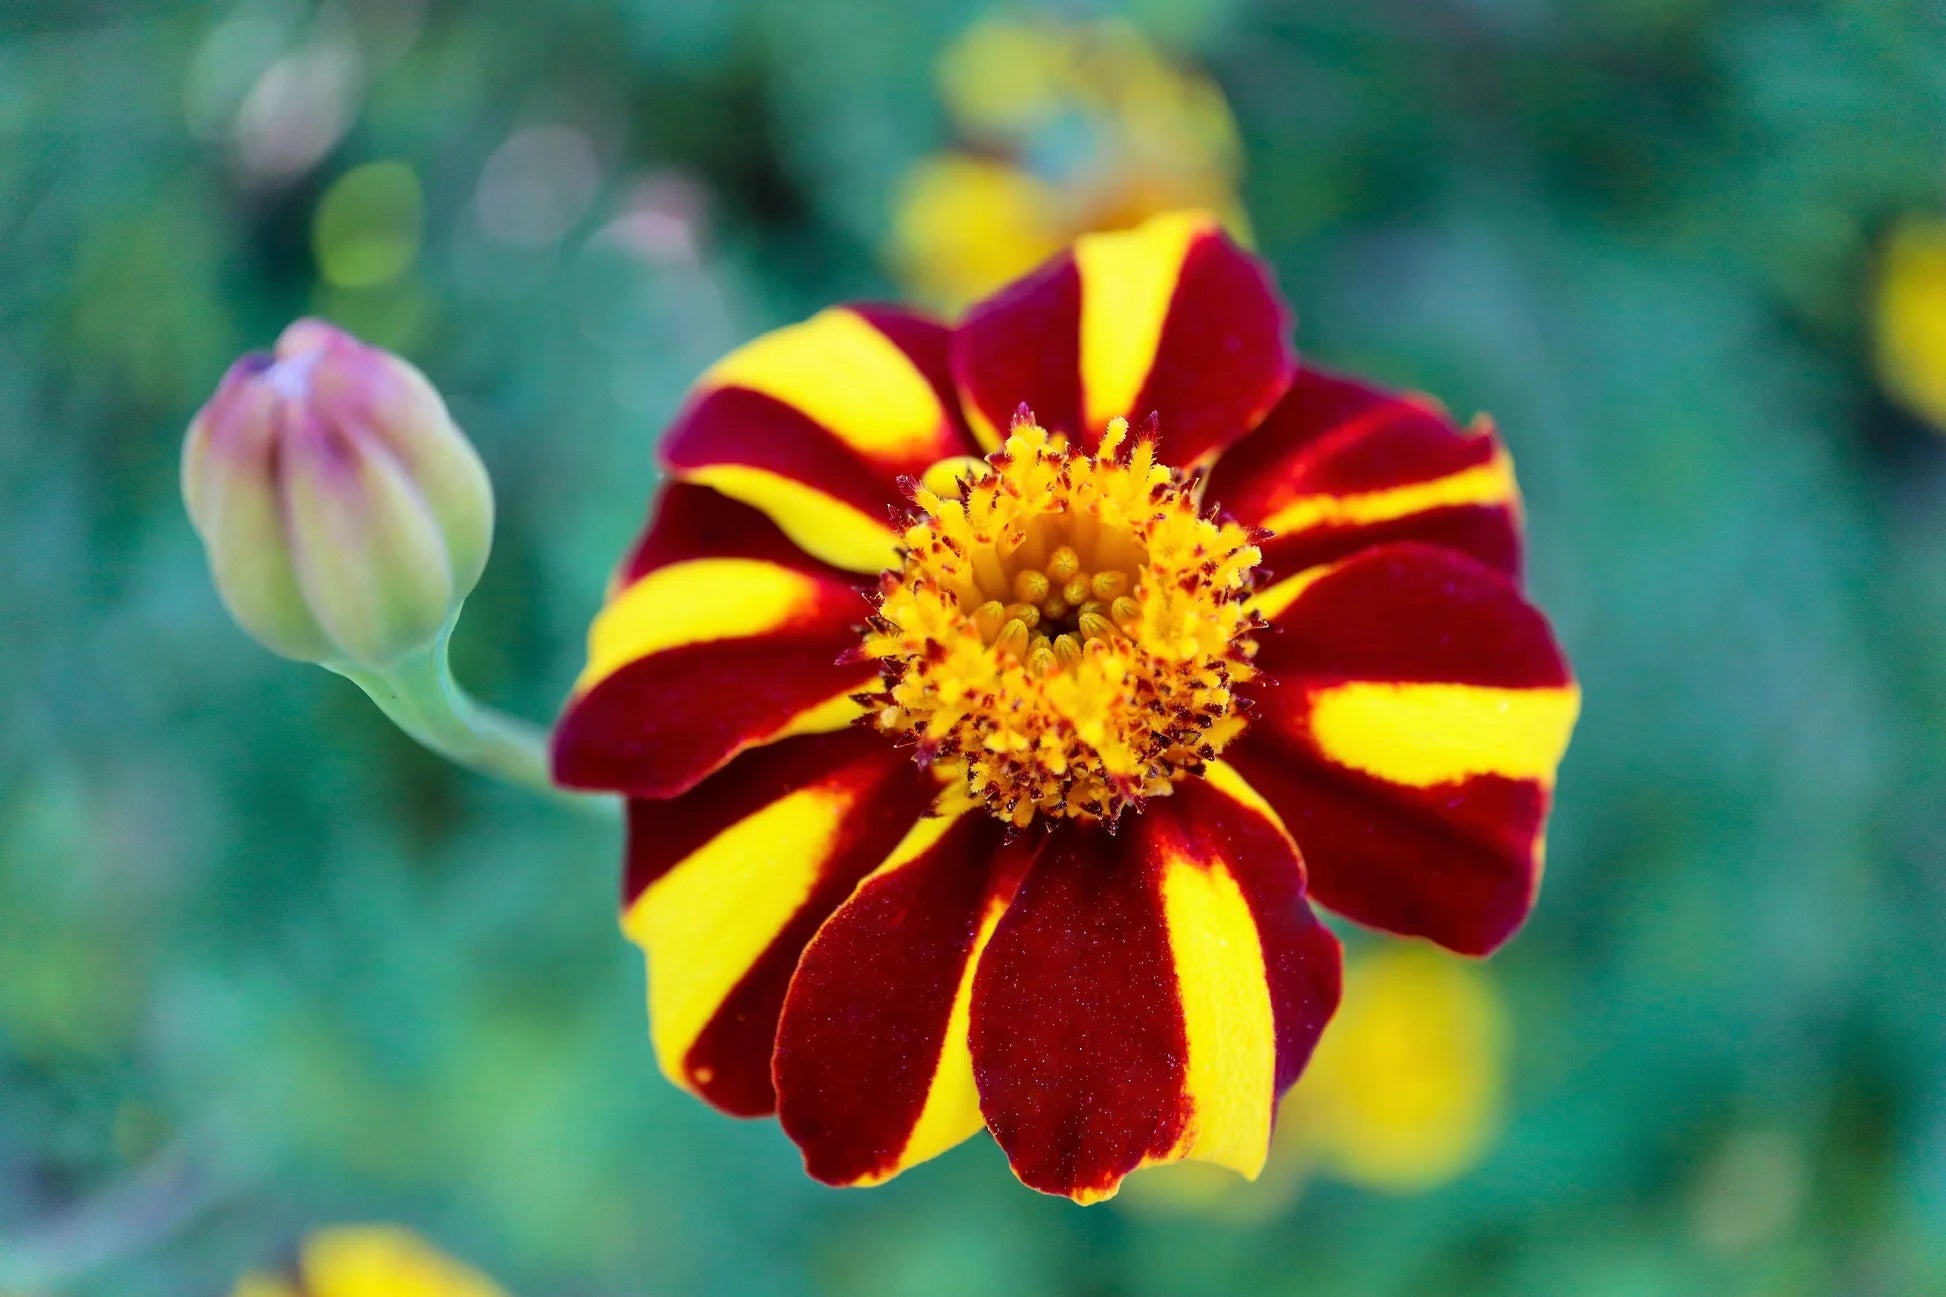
x=1014, y=841
x=1067, y=128
x=344, y=514
x=1911, y=318
x=370, y=1261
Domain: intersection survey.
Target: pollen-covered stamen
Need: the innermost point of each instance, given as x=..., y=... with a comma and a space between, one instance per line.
x=1067, y=632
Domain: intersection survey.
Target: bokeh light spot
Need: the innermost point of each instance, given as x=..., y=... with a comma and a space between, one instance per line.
x=367, y=228
x=537, y=185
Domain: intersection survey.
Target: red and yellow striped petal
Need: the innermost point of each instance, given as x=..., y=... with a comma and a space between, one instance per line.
x=815, y=424
x=1339, y=465
x=726, y=883
x=1149, y=994
x=1412, y=712
x=719, y=635
x=1170, y=318
x=873, y=1070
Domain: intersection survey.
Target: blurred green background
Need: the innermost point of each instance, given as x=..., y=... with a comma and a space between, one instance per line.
x=265, y=965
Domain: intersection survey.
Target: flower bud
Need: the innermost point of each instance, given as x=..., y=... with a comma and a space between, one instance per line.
x=344, y=513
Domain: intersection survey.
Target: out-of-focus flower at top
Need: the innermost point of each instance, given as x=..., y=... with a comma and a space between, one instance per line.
x=1014, y=841
x=369, y=1261
x=344, y=514
x=1404, y=1094
x=1911, y=318
x=1068, y=128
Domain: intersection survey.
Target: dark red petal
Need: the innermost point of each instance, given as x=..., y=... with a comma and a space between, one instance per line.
x=736, y=426
x=720, y=635
x=816, y=424
x=1170, y=318
x=928, y=344
x=1410, y=612
x=1413, y=711
x=1459, y=863
x=1147, y=996
x=1339, y=465
x=872, y=1068
x=1078, y=1041
x=1224, y=819
x=687, y=522
x=726, y=883
x=1022, y=346
x=1225, y=355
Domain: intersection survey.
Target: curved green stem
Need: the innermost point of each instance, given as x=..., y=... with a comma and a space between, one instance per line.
x=420, y=696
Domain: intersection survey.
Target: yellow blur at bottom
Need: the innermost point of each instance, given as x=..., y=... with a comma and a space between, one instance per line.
x=371, y=1261
x=1911, y=318
x=1404, y=1094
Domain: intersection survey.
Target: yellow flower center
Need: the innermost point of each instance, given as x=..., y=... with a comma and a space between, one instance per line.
x=1067, y=632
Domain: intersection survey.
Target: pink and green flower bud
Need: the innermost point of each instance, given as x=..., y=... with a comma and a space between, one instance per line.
x=345, y=514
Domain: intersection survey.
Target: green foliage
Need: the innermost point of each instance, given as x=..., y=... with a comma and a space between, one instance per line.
x=264, y=965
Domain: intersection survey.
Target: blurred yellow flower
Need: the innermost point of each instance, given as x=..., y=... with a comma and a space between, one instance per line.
x=1068, y=128
x=1405, y=1092
x=1911, y=318
x=370, y=1261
